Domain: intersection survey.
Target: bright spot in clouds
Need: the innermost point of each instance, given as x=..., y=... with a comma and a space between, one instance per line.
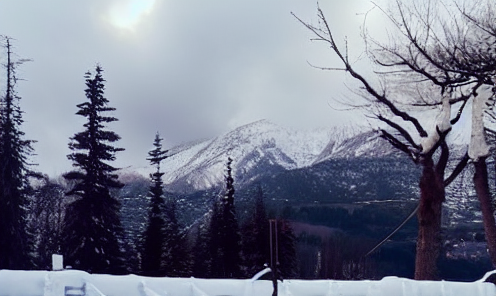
x=126, y=14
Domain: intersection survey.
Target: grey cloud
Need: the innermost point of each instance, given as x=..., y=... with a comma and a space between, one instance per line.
x=191, y=69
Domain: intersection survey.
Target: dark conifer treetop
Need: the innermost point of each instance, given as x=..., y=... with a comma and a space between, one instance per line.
x=164, y=247
x=155, y=157
x=229, y=196
x=92, y=227
x=92, y=146
x=153, y=245
x=225, y=240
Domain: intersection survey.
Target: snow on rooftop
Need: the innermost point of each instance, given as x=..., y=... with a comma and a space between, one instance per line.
x=57, y=283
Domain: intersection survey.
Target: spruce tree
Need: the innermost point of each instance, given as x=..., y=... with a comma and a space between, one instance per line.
x=15, y=242
x=164, y=247
x=255, y=237
x=224, y=233
x=92, y=229
x=153, y=246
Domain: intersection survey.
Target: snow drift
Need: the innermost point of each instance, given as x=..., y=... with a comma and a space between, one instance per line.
x=60, y=283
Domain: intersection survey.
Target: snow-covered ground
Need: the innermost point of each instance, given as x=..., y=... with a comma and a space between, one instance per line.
x=55, y=283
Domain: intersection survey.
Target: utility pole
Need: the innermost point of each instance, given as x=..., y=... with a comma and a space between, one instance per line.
x=274, y=254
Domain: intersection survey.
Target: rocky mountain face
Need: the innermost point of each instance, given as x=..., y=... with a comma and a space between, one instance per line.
x=263, y=148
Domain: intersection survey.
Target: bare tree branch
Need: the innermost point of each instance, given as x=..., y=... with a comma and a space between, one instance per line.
x=326, y=36
x=458, y=169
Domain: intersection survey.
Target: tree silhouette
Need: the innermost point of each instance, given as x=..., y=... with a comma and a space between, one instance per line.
x=164, y=248
x=15, y=240
x=153, y=246
x=224, y=233
x=92, y=227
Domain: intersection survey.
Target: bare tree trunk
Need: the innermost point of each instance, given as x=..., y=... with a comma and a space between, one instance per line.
x=482, y=190
x=432, y=196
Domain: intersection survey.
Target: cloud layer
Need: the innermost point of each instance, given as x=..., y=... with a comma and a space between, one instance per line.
x=188, y=69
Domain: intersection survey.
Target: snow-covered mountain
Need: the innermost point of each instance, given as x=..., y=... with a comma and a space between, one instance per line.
x=348, y=179
x=263, y=147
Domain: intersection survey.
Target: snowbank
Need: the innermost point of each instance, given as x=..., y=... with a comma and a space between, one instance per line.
x=56, y=283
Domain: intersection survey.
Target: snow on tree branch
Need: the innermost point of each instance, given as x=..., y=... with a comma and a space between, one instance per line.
x=478, y=147
x=443, y=124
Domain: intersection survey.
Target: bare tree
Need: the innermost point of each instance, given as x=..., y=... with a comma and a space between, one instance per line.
x=415, y=77
x=459, y=54
x=476, y=57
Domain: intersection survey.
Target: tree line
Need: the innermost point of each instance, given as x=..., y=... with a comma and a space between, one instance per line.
x=81, y=220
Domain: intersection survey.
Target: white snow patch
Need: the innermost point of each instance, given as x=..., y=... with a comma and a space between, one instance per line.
x=478, y=147
x=286, y=147
x=54, y=283
x=442, y=124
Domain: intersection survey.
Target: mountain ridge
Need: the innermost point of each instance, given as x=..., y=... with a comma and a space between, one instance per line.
x=261, y=147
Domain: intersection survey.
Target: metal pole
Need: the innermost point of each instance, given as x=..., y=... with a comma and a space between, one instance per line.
x=271, y=249
x=277, y=244
x=274, y=260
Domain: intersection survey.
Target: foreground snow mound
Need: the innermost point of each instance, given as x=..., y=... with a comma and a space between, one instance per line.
x=73, y=282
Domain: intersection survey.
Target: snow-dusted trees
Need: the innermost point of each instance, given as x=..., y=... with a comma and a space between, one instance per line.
x=201, y=251
x=260, y=234
x=92, y=229
x=424, y=69
x=224, y=236
x=164, y=247
x=153, y=245
x=46, y=216
x=14, y=150
x=176, y=256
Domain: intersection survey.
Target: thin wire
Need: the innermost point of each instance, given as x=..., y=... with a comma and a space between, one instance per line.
x=394, y=231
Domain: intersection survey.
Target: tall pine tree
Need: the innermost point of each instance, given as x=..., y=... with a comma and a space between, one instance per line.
x=164, y=247
x=224, y=233
x=153, y=245
x=92, y=228
x=14, y=238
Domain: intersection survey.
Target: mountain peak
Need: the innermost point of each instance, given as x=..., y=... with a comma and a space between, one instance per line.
x=256, y=148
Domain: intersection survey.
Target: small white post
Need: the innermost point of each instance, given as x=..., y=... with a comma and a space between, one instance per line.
x=57, y=262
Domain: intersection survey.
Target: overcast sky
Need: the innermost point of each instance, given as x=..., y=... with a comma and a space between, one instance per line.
x=188, y=69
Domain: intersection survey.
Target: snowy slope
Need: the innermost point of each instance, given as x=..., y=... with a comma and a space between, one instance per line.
x=264, y=148
x=261, y=144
